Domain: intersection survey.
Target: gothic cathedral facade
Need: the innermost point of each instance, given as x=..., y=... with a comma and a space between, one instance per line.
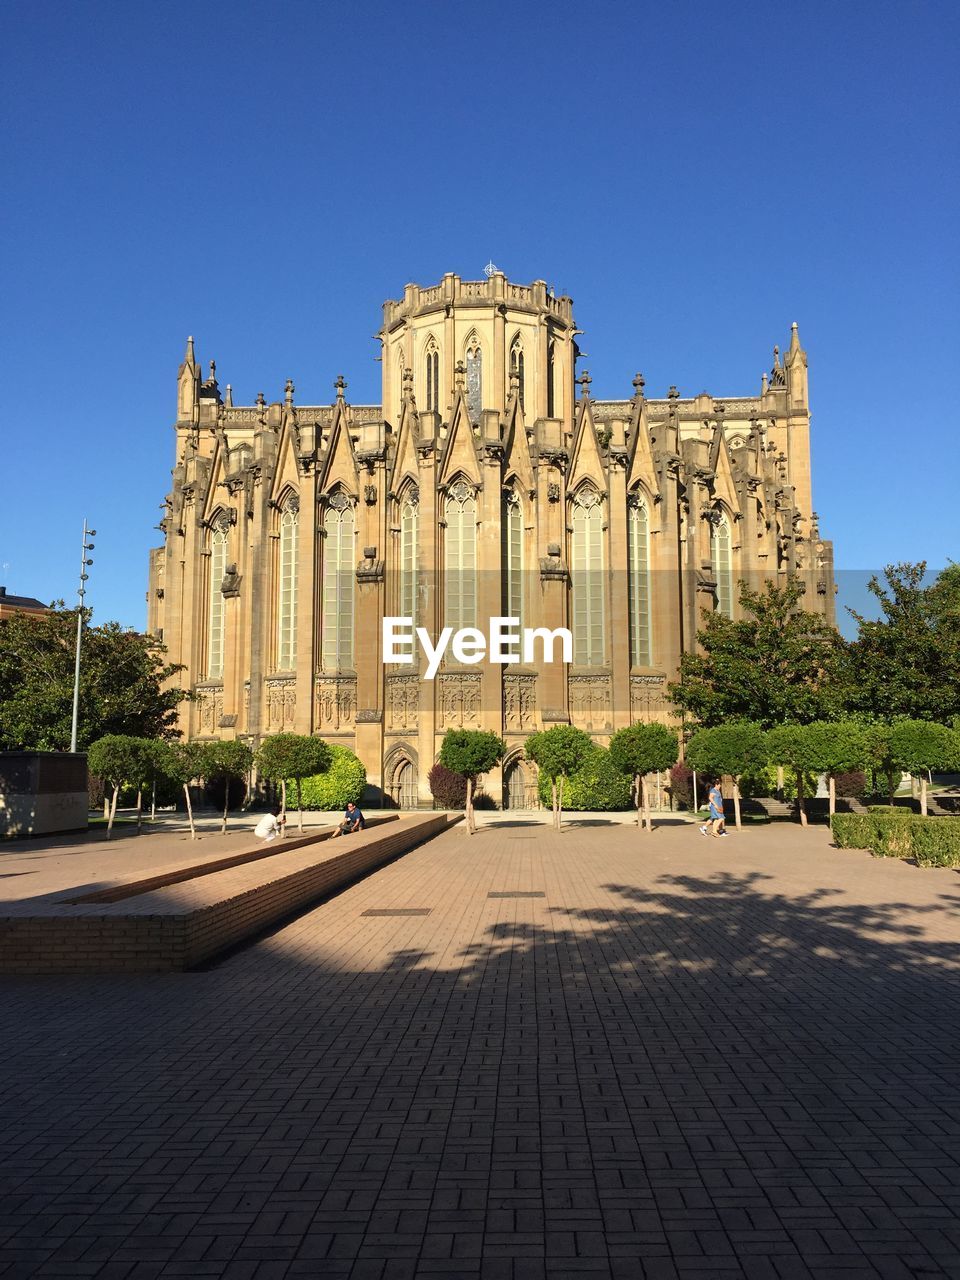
x=487, y=483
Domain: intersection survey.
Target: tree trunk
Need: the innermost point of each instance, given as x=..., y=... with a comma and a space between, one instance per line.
x=471, y=828
x=644, y=791
x=186, y=792
x=832, y=783
x=226, y=805
x=139, y=809
x=299, y=807
x=736, y=803
x=637, y=797
x=113, y=813
x=695, y=805
x=779, y=781
x=153, y=802
x=890, y=788
x=923, y=795
x=283, y=797
x=803, y=812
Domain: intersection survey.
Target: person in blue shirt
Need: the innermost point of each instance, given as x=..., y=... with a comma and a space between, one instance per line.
x=353, y=820
x=714, y=825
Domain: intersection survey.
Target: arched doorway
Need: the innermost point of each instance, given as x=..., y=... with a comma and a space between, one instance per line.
x=402, y=782
x=519, y=790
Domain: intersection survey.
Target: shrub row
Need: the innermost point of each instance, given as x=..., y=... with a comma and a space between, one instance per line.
x=933, y=842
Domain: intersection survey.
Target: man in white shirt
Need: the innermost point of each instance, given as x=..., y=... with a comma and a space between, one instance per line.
x=270, y=826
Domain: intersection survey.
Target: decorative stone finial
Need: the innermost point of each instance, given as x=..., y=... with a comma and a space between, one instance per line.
x=261, y=400
x=459, y=375
x=763, y=383
x=340, y=385
x=228, y=398
x=639, y=383
x=288, y=391
x=673, y=394
x=188, y=358
x=584, y=380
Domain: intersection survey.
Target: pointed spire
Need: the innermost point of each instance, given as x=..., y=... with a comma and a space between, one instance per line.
x=189, y=357
x=763, y=383
x=228, y=398
x=796, y=351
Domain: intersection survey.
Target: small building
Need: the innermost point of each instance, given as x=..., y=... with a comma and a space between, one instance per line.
x=10, y=605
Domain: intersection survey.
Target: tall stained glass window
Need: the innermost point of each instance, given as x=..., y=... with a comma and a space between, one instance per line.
x=338, y=583
x=216, y=608
x=287, y=588
x=638, y=552
x=460, y=556
x=721, y=556
x=512, y=535
x=409, y=531
x=516, y=366
x=587, y=580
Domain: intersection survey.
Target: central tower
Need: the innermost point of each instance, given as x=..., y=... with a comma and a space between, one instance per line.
x=494, y=329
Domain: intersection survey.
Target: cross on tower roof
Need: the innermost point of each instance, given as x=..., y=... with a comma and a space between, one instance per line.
x=584, y=381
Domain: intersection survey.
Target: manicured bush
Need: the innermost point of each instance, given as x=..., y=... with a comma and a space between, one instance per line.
x=558, y=753
x=335, y=788
x=449, y=789
x=596, y=786
x=852, y=830
x=892, y=835
x=936, y=841
x=681, y=785
x=639, y=750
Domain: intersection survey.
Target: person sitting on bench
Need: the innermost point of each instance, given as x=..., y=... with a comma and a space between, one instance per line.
x=353, y=820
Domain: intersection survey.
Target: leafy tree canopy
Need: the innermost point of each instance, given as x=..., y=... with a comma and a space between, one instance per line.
x=735, y=749
x=794, y=745
x=122, y=683
x=643, y=748
x=907, y=663
x=119, y=758
x=839, y=746
x=560, y=751
x=919, y=745
x=293, y=755
x=226, y=759
x=777, y=664
x=470, y=752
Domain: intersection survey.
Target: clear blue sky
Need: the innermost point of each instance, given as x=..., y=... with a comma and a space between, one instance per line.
x=264, y=175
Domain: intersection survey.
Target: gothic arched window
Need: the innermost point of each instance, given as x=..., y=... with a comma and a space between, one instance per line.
x=287, y=587
x=409, y=535
x=432, y=375
x=460, y=557
x=512, y=544
x=721, y=558
x=551, y=373
x=474, y=380
x=337, y=584
x=587, y=580
x=215, y=611
x=638, y=554
x=516, y=365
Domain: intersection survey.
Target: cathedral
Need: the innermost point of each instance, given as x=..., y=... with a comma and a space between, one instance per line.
x=488, y=483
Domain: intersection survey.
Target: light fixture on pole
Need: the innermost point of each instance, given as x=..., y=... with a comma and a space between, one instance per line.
x=81, y=592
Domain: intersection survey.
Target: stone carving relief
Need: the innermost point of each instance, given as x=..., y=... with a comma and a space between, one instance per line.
x=648, y=699
x=519, y=702
x=209, y=708
x=403, y=703
x=460, y=700
x=281, y=705
x=590, y=703
x=336, y=702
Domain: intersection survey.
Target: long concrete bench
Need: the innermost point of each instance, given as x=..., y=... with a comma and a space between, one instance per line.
x=182, y=924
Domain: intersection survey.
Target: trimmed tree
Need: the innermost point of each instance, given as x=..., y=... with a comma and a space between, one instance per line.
x=916, y=746
x=558, y=752
x=470, y=752
x=293, y=757
x=118, y=759
x=638, y=750
x=183, y=763
x=838, y=746
x=733, y=749
x=224, y=761
x=796, y=747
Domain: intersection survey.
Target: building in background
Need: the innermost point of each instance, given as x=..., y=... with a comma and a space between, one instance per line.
x=488, y=482
x=20, y=604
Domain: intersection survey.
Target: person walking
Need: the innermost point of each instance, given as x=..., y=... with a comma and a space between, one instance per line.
x=715, y=822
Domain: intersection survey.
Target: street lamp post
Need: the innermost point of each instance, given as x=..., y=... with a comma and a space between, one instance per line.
x=81, y=592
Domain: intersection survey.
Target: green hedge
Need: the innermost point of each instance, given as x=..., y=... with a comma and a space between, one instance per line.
x=344, y=781
x=933, y=842
x=597, y=785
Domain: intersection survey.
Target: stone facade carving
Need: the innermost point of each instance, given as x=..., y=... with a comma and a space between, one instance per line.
x=590, y=703
x=459, y=700
x=519, y=703
x=281, y=699
x=335, y=699
x=403, y=703
x=648, y=699
x=209, y=709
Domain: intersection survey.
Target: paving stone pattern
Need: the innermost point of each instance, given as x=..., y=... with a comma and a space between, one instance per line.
x=691, y=1058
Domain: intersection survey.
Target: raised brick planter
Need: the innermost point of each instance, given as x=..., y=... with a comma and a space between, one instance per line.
x=184, y=922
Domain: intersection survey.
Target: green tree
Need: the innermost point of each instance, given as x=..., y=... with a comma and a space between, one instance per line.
x=907, y=663
x=796, y=747
x=224, y=761
x=292, y=756
x=733, y=749
x=776, y=664
x=120, y=759
x=596, y=786
x=917, y=746
x=124, y=683
x=836, y=747
x=182, y=763
x=470, y=752
x=558, y=752
x=640, y=749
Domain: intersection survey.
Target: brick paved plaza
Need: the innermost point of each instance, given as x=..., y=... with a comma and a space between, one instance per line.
x=687, y=1058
